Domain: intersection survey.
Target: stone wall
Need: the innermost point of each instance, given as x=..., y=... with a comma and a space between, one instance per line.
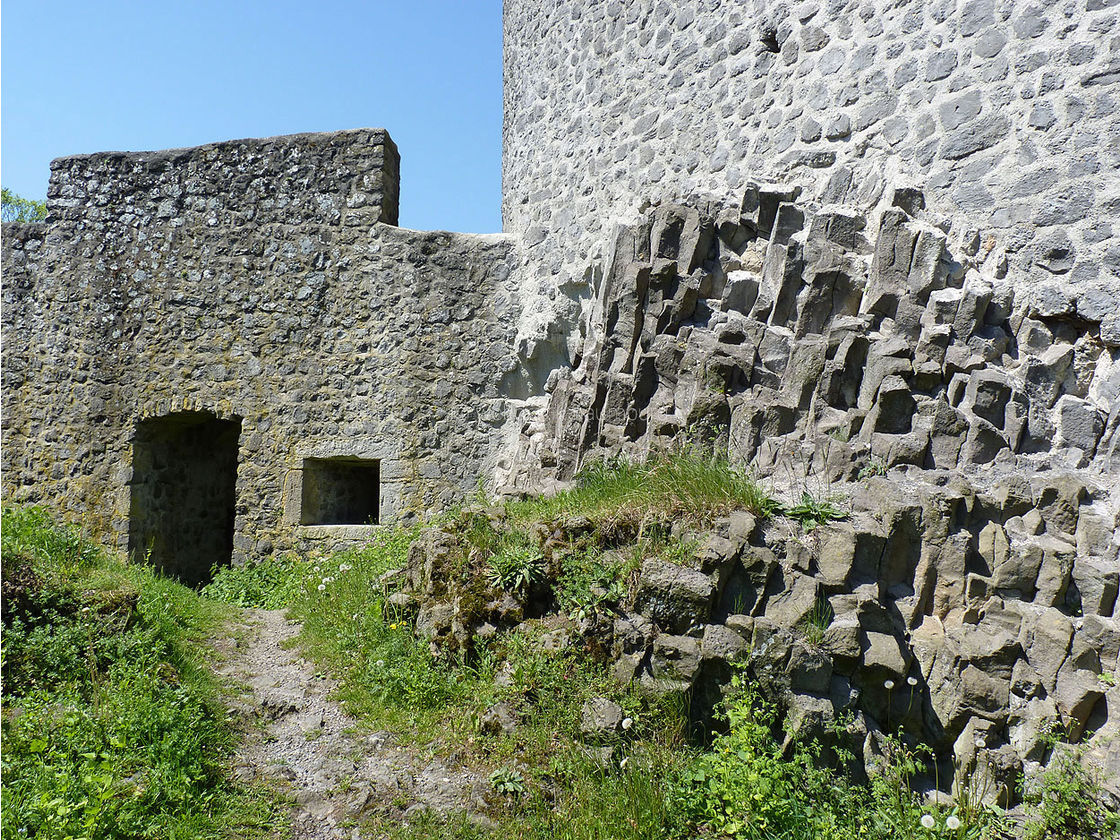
x=1002, y=112
x=259, y=281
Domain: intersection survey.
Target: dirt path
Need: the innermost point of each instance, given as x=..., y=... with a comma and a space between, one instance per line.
x=299, y=737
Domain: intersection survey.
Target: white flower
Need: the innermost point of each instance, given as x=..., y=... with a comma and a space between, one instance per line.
x=315, y=569
x=927, y=821
x=952, y=823
x=627, y=723
x=911, y=681
x=322, y=587
x=888, y=685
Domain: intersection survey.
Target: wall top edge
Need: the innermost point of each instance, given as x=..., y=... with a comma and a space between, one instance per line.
x=376, y=136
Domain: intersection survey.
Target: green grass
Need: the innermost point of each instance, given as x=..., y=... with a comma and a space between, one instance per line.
x=111, y=721
x=684, y=485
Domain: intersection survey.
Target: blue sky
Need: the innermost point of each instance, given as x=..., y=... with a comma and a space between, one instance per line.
x=82, y=76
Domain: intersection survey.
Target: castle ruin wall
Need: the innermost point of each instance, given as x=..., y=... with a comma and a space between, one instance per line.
x=260, y=282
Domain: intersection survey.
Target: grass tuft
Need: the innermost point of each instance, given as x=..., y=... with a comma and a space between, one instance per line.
x=683, y=485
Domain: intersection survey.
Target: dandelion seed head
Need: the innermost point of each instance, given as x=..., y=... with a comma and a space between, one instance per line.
x=952, y=823
x=927, y=821
x=888, y=684
x=627, y=723
x=322, y=587
x=911, y=681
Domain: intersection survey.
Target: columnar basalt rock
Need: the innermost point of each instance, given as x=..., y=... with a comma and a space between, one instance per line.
x=971, y=599
x=809, y=340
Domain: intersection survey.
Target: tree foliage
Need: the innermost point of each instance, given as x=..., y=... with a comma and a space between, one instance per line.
x=16, y=208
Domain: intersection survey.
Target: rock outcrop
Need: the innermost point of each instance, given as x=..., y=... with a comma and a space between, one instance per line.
x=971, y=598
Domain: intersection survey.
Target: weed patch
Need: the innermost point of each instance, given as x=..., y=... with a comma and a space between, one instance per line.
x=270, y=583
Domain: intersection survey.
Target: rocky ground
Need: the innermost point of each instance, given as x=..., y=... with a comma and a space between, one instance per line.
x=301, y=739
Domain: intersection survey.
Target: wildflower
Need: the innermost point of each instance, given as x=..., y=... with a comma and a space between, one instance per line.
x=622, y=764
x=927, y=821
x=380, y=663
x=911, y=681
x=315, y=569
x=952, y=823
x=627, y=723
x=392, y=626
x=888, y=684
x=322, y=587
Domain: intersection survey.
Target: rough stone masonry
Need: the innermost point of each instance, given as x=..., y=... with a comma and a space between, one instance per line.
x=255, y=292
x=862, y=248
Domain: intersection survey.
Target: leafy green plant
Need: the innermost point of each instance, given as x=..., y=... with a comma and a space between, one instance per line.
x=812, y=512
x=874, y=467
x=508, y=783
x=743, y=788
x=515, y=568
x=588, y=581
x=1069, y=803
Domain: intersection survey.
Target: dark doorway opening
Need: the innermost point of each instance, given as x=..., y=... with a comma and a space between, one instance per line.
x=340, y=491
x=184, y=481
